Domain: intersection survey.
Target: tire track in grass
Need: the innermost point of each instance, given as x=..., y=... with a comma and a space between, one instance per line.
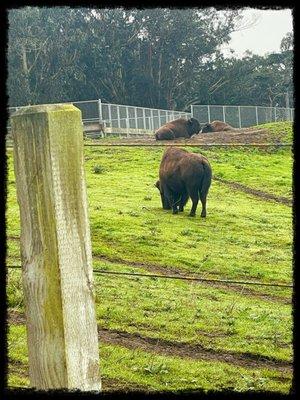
x=255, y=192
x=165, y=347
x=189, y=351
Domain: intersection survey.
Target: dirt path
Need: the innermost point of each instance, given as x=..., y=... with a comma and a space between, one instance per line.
x=255, y=192
x=186, y=350
x=177, y=349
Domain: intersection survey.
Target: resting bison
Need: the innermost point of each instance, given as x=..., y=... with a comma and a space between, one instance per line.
x=180, y=127
x=183, y=175
x=216, y=126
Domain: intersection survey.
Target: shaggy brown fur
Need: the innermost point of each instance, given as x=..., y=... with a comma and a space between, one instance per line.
x=216, y=126
x=183, y=175
x=180, y=127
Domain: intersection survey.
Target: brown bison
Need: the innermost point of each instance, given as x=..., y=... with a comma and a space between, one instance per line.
x=180, y=127
x=216, y=126
x=183, y=175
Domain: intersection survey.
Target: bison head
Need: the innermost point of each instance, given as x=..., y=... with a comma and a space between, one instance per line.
x=193, y=126
x=207, y=128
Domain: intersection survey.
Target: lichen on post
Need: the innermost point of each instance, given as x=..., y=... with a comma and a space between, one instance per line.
x=56, y=248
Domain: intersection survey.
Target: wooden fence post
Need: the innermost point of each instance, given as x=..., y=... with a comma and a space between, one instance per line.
x=56, y=248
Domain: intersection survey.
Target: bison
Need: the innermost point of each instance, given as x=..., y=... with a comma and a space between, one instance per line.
x=180, y=127
x=183, y=175
x=216, y=126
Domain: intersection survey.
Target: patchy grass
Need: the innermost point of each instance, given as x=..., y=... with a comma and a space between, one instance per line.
x=282, y=131
x=219, y=319
x=269, y=171
x=243, y=237
x=159, y=372
x=126, y=226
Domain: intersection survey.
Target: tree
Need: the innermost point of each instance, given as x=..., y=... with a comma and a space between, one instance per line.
x=43, y=52
x=146, y=57
x=158, y=58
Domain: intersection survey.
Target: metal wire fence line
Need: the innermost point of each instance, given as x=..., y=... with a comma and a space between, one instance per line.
x=276, y=145
x=187, y=278
x=117, y=118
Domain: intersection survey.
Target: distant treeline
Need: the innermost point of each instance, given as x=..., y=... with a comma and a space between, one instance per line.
x=160, y=58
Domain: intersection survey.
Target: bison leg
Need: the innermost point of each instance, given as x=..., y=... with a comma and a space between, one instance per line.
x=203, y=202
x=174, y=205
x=170, y=199
x=195, y=199
x=165, y=202
x=183, y=201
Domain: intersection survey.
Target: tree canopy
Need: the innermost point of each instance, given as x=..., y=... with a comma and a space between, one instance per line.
x=161, y=58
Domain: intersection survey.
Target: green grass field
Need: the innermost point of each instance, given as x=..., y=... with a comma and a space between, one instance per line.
x=162, y=334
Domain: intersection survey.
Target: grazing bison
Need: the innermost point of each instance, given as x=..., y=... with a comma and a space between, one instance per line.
x=180, y=127
x=216, y=126
x=183, y=175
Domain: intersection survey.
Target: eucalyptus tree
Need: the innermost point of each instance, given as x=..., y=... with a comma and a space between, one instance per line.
x=147, y=57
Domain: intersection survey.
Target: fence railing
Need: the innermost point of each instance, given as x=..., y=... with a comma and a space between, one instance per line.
x=241, y=116
x=135, y=120
x=125, y=117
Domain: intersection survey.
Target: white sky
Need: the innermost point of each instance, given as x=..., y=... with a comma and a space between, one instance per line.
x=266, y=34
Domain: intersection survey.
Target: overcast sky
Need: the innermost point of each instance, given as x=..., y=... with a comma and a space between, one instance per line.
x=266, y=34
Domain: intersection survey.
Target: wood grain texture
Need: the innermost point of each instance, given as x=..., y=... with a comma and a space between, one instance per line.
x=56, y=248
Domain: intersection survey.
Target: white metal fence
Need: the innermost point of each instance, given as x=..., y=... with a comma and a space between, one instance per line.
x=122, y=118
x=241, y=116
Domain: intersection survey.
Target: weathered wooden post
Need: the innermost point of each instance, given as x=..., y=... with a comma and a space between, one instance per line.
x=56, y=248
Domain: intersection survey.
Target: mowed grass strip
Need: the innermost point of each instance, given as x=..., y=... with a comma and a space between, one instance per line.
x=158, y=372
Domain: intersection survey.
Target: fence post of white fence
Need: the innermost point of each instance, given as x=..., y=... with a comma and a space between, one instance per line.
x=208, y=113
x=100, y=110
x=152, y=122
x=159, y=118
x=192, y=111
x=256, y=115
x=109, y=114
x=118, y=116
x=144, y=118
x=56, y=249
x=100, y=116
x=136, y=118
x=240, y=121
x=224, y=119
x=127, y=126
x=275, y=114
x=127, y=121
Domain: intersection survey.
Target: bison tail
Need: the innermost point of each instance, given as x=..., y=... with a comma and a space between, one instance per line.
x=156, y=136
x=207, y=177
